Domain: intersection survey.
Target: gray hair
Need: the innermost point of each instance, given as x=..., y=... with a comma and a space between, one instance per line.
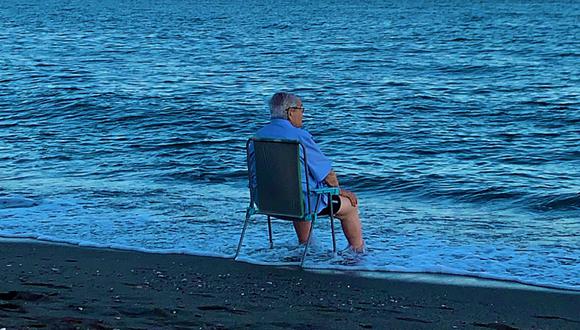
x=280, y=102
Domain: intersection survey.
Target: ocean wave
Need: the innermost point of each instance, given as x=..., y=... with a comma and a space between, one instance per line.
x=16, y=202
x=559, y=202
x=201, y=176
x=437, y=186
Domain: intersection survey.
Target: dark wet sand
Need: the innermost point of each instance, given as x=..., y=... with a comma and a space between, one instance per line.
x=62, y=287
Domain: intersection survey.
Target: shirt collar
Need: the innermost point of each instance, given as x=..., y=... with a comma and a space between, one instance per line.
x=281, y=122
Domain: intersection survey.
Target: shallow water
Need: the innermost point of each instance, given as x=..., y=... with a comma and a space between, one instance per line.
x=457, y=124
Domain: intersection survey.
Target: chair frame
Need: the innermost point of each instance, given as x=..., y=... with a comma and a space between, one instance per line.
x=310, y=215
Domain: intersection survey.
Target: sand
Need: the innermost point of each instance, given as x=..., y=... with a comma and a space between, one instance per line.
x=68, y=287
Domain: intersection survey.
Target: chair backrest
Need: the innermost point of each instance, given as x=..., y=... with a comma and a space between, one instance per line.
x=278, y=173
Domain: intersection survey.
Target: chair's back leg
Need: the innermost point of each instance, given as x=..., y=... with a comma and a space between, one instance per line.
x=308, y=241
x=270, y=232
x=333, y=237
x=248, y=214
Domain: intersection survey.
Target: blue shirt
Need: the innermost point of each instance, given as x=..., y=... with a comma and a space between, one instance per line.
x=318, y=164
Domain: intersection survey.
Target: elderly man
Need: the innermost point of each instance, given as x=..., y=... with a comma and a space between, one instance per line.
x=287, y=112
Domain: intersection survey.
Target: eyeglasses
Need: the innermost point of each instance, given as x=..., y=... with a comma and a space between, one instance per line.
x=295, y=108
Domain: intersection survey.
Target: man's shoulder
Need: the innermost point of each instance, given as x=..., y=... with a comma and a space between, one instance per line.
x=304, y=134
x=277, y=130
x=261, y=131
x=299, y=134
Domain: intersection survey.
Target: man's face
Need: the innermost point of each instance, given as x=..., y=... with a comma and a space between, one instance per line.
x=296, y=114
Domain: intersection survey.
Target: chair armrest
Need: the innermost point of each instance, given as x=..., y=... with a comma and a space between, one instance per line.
x=329, y=190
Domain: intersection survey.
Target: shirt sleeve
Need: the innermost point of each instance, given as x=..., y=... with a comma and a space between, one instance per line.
x=318, y=164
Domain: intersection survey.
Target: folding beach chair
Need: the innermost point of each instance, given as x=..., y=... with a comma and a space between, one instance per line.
x=279, y=170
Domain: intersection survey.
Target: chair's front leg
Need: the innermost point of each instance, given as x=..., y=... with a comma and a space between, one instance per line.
x=248, y=214
x=308, y=241
x=332, y=223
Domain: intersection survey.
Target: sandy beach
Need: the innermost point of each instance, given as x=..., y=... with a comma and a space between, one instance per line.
x=67, y=287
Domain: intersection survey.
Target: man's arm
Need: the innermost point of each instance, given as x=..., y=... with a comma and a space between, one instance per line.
x=319, y=165
x=332, y=180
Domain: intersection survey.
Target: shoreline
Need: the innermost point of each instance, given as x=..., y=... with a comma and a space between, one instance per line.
x=419, y=277
x=67, y=286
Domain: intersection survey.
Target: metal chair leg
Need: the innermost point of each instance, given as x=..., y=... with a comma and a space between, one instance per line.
x=333, y=236
x=332, y=224
x=270, y=232
x=308, y=241
x=243, y=233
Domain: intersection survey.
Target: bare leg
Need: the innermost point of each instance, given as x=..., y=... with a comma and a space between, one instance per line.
x=302, y=229
x=351, y=225
x=349, y=220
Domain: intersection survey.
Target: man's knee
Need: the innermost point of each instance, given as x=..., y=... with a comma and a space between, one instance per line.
x=347, y=212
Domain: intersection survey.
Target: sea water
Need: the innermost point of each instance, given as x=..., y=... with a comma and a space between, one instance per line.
x=123, y=124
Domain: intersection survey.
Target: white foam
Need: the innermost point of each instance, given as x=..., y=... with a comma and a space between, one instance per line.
x=401, y=238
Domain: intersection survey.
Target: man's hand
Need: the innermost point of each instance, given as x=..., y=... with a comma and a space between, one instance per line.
x=331, y=179
x=350, y=195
